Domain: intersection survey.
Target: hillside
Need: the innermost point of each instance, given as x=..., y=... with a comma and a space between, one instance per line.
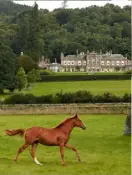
x=92, y=28
x=10, y=8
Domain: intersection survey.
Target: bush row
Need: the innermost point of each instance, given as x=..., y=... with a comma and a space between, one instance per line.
x=84, y=77
x=76, y=97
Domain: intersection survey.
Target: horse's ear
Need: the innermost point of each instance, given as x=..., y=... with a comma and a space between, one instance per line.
x=75, y=116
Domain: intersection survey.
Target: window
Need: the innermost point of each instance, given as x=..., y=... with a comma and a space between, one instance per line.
x=84, y=62
x=93, y=62
x=113, y=62
x=122, y=62
x=108, y=63
x=117, y=62
x=79, y=62
x=72, y=62
x=102, y=62
x=65, y=62
x=97, y=62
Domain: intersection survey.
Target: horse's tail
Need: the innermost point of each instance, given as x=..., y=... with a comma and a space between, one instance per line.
x=15, y=132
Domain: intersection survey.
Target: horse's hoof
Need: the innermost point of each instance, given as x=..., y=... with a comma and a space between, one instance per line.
x=15, y=160
x=64, y=164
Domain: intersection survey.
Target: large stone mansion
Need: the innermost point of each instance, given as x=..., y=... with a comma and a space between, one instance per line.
x=93, y=62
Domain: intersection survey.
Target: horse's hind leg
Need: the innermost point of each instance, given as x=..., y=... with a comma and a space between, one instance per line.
x=33, y=151
x=20, y=151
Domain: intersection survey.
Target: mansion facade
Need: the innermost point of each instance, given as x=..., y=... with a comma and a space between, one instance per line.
x=93, y=62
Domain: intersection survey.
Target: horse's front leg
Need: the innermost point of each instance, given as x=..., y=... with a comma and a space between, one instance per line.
x=62, y=154
x=74, y=149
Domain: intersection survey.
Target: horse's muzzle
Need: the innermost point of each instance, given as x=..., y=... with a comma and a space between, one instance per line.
x=84, y=127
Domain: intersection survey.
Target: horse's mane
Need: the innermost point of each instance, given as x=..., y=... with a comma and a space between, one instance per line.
x=63, y=122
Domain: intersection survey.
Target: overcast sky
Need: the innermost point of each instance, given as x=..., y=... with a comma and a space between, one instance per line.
x=51, y=5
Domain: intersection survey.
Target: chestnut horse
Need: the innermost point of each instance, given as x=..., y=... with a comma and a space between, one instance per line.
x=57, y=136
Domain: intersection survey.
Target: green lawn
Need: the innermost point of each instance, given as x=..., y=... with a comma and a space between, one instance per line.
x=117, y=87
x=96, y=87
x=103, y=148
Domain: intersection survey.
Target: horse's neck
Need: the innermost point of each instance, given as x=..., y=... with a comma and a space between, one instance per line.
x=67, y=127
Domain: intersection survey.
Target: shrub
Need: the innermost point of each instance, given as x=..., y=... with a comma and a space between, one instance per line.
x=66, y=97
x=33, y=76
x=49, y=78
x=126, y=97
x=128, y=72
x=109, y=98
x=21, y=99
x=83, y=97
x=76, y=97
x=44, y=99
x=46, y=72
x=22, y=79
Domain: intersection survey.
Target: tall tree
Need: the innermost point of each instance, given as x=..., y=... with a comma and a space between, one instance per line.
x=22, y=79
x=64, y=4
x=27, y=63
x=32, y=45
x=7, y=69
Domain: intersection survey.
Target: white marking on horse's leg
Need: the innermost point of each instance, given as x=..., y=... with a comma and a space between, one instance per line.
x=36, y=161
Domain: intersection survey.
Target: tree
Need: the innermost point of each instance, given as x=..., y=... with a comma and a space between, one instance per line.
x=27, y=63
x=7, y=69
x=22, y=79
x=32, y=46
x=36, y=32
x=19, y=42
x=33, y=76
x=64, y=4
x=63, y=16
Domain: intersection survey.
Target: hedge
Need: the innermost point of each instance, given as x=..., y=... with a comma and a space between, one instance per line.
x=47, y=78
x=61, y=98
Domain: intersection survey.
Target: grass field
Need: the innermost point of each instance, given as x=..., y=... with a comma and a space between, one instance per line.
x=117, y=87
x=103, y=147
x=96, y=87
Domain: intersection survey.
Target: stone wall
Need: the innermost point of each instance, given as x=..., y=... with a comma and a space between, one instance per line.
x=102, y=108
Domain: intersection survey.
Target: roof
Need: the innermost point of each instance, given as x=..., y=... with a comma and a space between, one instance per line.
x=113, y=57
x=106, y=56
x=74, y=57
x=54, y=64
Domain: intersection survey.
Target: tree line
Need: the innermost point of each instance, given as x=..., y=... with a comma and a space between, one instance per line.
x=40, y=32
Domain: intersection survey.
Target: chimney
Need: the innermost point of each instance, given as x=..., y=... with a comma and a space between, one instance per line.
x=77, y=52
x=42, y=57
x=100, y=52
x=62, y=55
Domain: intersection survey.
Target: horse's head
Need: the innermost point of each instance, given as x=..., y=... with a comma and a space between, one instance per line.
x=78, y=122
